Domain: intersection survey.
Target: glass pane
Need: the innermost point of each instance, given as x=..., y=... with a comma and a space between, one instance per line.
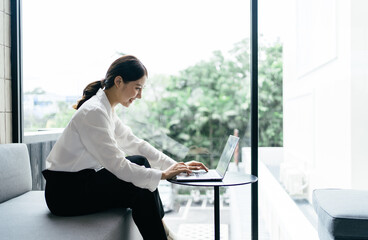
x=197, y=94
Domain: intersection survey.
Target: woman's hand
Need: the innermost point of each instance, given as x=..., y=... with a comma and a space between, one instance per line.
x=175, y=170
x=194, y=165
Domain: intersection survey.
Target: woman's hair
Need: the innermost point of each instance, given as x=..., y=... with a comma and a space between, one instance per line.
x=128, y=67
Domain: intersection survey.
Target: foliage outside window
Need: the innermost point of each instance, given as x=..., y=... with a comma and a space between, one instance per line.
x=206, y=102
x=200, y=106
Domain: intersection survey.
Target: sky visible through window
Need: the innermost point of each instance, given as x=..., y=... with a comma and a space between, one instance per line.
x=68, y=44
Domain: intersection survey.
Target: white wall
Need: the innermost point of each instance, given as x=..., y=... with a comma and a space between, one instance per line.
x=359, y=93
x=325, y=90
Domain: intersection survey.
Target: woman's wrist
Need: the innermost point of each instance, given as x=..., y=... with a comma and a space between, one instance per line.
x=163, y=175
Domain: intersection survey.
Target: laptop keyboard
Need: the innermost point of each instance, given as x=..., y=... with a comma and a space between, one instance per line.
x=202, y=173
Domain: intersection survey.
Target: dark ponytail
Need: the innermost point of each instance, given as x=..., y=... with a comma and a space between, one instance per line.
x=88, y=92
x=127, y=66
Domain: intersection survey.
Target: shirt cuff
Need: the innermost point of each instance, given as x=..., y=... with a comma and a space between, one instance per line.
x=155, y=179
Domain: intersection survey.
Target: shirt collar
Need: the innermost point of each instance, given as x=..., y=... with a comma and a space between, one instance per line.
x=105, y=101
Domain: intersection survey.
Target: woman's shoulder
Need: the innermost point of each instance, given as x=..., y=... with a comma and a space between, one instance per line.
x=92, y=104
x=91, y=108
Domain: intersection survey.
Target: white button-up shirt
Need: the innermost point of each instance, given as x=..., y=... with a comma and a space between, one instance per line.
x=96, y=138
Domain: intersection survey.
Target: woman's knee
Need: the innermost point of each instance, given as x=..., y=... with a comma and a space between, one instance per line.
x=143, y=197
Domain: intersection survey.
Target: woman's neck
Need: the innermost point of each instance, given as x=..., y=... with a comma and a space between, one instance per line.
x=111, y=96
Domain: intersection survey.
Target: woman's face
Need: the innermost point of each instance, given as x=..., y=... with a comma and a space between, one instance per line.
x=131, y=91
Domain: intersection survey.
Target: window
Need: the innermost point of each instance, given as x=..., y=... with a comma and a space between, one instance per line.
x=197, y=56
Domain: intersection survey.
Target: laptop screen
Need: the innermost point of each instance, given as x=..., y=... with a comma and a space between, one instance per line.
x=226, y=155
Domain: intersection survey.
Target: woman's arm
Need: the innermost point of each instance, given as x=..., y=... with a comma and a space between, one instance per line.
x=97, y=135
x=133, y=145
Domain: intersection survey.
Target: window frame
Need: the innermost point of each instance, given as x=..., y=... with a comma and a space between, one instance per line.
x=16, y=70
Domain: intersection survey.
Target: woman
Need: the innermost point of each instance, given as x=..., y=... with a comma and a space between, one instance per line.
x=98, y=163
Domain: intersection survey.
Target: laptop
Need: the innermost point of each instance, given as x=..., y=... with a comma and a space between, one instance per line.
x=213, y=174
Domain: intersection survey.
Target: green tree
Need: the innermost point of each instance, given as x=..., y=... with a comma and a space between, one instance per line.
x=205, y=102
x=61, y=118
x=270, y=96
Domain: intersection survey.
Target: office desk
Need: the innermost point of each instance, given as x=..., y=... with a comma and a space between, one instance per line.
x=230, y=179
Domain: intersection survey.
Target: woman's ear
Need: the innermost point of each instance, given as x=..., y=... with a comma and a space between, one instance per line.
x=118, y=81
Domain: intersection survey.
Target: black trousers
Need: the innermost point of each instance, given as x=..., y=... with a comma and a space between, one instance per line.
x=88, y=191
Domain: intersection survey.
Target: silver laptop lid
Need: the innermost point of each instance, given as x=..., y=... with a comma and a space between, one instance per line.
x=227, y=154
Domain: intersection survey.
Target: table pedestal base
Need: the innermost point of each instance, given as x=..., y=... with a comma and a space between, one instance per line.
x=217, y=212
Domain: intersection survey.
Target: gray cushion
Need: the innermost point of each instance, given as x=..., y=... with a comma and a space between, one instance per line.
x=15, y=171
x=342, y=213
x=27, y=217
x=323, y=233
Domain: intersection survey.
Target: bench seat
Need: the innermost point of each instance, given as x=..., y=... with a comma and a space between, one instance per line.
x=342, y=213
x=27, y=217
